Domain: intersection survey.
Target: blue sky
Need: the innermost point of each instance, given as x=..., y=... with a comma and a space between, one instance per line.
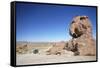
x=40, y=23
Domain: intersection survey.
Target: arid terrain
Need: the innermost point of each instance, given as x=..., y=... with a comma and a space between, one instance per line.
x=81, y=47
x=26, y=56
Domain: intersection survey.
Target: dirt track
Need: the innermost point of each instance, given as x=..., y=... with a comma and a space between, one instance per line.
x=27, y=59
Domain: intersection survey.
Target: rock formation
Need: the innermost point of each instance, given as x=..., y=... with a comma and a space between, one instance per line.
x=81, y=32
x=22, y=49
x=56, y=48
x=82, y=42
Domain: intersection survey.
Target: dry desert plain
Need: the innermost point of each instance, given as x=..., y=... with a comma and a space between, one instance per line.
x=25, y=55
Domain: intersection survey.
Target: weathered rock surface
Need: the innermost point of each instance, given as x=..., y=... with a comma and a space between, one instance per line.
x=22, y=49
x=82, y=37
x=57, y=48
x=82, y=42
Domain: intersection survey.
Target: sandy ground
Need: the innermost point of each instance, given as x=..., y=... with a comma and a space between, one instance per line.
x=42, y=58
x=27, y=59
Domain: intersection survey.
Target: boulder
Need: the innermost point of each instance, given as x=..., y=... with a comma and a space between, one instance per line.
x=82, y=42
x=81, y=32
x=56, y=48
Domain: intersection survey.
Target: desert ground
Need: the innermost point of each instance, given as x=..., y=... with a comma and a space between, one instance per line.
x=25, y=54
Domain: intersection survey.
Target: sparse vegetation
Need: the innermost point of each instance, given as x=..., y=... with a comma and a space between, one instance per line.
x=35, y=51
